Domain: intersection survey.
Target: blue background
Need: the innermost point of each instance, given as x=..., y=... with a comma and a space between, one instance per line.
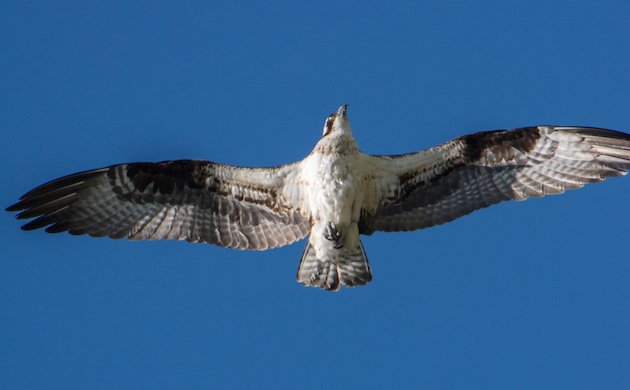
x=524, y=295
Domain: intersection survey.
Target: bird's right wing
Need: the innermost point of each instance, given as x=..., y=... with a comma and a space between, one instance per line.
x=438, y=185
x=193, y=200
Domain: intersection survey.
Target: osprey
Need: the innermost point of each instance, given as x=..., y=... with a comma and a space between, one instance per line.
x=332, y=196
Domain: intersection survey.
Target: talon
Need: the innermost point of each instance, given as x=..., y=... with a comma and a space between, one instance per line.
x=332, y=234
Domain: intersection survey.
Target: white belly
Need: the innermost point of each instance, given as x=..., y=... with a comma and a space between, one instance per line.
x=334, y=189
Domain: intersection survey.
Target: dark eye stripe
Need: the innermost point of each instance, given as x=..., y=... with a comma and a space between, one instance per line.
x=329, y=123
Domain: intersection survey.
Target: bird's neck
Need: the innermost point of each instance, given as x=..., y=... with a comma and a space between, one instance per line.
x=341, y=143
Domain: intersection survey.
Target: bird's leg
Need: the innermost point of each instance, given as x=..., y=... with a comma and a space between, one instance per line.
x=333, y=234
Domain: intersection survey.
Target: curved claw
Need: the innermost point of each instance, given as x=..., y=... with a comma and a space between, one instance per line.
x=333, y=234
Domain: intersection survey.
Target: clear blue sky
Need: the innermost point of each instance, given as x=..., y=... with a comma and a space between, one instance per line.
x=526, y=295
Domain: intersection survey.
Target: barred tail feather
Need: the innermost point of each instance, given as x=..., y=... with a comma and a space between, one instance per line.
x=355, y=268
x=350, y=269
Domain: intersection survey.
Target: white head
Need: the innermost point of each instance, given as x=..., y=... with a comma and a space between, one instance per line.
x=337, y=122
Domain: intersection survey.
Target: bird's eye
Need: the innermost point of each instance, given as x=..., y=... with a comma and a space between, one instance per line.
x=328, y=126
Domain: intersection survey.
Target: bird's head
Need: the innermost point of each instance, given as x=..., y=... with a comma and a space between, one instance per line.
x=337, y=122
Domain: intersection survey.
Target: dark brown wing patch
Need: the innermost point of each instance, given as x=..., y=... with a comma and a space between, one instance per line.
x=501, y=143
x=169, y=175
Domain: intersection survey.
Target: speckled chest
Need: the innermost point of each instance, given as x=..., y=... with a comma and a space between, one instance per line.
x=334, y=179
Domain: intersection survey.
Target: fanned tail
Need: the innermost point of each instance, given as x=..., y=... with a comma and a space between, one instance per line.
x=349, y=268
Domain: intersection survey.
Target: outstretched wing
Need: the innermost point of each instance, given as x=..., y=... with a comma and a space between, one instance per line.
x=431, y=187
x=197, y=201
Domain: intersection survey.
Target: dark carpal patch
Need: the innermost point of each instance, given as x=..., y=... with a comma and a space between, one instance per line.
x=169, y=175
x=500, y=142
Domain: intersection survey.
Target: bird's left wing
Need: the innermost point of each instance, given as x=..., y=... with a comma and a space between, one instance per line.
x=431, y=187
x=193, y=200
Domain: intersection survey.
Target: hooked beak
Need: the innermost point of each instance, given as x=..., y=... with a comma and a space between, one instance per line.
x=341, y=111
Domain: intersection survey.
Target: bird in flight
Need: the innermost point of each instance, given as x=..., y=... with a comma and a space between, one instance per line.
x=332, y=196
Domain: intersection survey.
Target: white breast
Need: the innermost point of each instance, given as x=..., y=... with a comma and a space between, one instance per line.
x=334, y=184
